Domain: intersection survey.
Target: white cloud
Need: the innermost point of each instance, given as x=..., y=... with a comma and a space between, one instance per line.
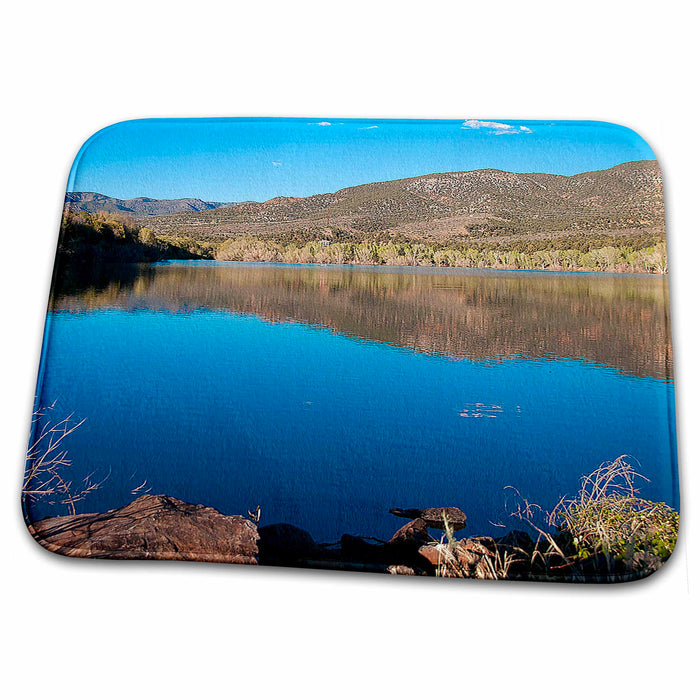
x=495, y=127
x=320, y=123
x=276, y=163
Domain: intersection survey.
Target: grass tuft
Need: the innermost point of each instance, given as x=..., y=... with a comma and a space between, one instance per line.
x=474, y=558
x=608, y=517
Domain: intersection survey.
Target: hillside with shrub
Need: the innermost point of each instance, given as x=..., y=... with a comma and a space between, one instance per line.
x=610, y=220
x=623, y=200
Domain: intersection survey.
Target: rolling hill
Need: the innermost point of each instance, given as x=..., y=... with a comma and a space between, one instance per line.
x=446, y=206
x=484, y=205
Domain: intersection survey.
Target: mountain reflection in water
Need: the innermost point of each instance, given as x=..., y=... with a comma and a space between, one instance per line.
x=615, y=320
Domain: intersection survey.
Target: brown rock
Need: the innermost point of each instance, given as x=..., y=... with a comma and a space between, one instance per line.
x=413, y=533
x=152, y=527
x=643, y=564
x=476, y=556
x=483, y=546
x=464, y=559
x=434, y=517
x=432, y=553
x=401, y=570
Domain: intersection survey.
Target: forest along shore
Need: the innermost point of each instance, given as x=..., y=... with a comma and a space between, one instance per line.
x=103, y=238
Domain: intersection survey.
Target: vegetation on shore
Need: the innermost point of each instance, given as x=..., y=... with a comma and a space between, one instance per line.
x=614, y=257
x=608, y=517
x=106, y=238
x=605, y=533
x=91, y=237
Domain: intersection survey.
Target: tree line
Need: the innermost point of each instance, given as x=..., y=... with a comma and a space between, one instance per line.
x=609, y=258
x=106, y=238
x=100, y=237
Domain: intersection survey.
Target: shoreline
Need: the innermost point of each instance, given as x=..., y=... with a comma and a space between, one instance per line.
x=160, y=527
x=381, y=267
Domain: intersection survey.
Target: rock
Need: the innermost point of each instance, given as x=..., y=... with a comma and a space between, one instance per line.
x=283, y=543
x=434, y=517
x=400, y=551
x=466, y=557
x=402, y=548
x=637, y=566
x=413, y=535
x=356, y=549
x=401, y=570
x=432, y=553
x=471, y=558
x=152, y=527
x=482, y=546
x=643, y=563
x=477, y=556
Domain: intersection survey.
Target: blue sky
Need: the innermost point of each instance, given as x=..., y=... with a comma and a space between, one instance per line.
x=233, y=160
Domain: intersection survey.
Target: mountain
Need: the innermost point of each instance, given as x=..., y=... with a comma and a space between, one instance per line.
x=624, y=198
x=137, y=207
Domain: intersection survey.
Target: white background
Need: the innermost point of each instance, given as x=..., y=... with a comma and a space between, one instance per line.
x=79, y=629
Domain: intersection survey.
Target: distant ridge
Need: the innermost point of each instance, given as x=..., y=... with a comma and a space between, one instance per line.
x=439, y=206
x=139, y=206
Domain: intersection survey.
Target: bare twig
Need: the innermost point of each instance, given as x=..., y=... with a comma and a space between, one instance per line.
x=47, y=462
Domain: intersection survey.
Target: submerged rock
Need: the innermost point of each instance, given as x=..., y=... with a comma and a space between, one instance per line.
x=434, y=517
x=152, y=527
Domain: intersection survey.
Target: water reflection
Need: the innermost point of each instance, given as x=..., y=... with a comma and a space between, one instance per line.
x=616, y=320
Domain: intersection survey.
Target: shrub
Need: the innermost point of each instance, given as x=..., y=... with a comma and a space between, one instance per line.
x=608, y=516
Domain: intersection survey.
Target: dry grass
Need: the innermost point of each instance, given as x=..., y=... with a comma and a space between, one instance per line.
x=606, y=523
x=608, y=516
x=469, y=558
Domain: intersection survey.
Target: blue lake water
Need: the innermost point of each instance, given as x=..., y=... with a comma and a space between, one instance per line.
x=329, y=395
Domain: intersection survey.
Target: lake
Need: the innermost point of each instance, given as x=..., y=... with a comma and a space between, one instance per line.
x=327, y=395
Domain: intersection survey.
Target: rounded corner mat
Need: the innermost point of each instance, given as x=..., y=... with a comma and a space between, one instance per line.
x=424, y=347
